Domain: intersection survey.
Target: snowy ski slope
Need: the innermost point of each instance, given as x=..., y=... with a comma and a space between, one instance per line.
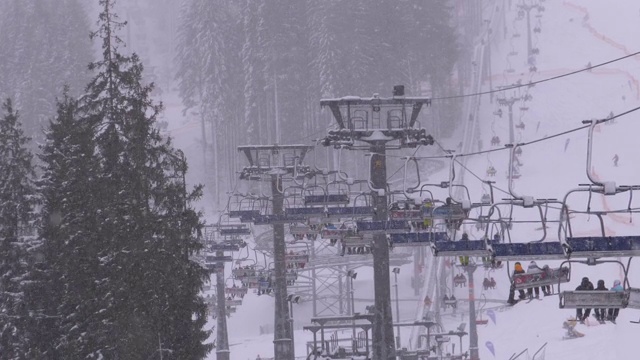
x=573, y=33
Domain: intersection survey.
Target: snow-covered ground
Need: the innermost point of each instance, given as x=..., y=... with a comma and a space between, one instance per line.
x=573, y=34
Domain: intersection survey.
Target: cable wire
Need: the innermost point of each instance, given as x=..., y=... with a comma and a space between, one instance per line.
x=537, y=82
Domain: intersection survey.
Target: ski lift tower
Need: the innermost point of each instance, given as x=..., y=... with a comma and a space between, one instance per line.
x=377, y=124
x=527, y=8
x=509, y=102
x=273, y=163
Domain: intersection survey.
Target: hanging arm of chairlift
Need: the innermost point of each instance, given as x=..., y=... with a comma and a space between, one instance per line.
x=410, y=190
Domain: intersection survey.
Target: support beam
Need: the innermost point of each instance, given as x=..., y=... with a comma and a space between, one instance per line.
x=222, y=334
x=383, y=337
x=282, y=336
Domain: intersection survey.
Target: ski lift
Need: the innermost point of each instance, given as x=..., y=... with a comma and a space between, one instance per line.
x=488, y=283
x=300, y=231
x=491, y=171
x=234, y=230
x=460, y=280
x=328, y=199
x=547, y=277
x=603, y=245
x=296, y=260
x=479, y=320
x=451, y=302
x=514, y=174
x=331, y=232
x=341, y=212
x=230, y=302
x=461, y=248
x=358, y=118
x=406, y=210
x=577, y=299
x=537, y=30
x=243, y=206
x=418, y=238
x=236, y=291
x=355, y=245
x=383, y=227
x=361, y=209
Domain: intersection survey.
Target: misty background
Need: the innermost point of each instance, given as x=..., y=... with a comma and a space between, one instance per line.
x=244, y=72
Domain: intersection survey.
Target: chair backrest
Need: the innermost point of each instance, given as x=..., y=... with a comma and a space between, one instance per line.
x=594, y=299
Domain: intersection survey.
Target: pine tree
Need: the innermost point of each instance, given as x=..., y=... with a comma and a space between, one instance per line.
x=18, y=198
x=144, y=224
x=72, y=283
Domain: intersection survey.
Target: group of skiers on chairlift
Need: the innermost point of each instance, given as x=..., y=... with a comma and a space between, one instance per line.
x=601, y=314
x=533, y=268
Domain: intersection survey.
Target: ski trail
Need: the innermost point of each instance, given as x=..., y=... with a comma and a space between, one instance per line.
x=607, y=40
x=595, y=32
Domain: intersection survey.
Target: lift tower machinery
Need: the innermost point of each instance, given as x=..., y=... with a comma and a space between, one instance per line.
x=376, y=125
x=273, y=163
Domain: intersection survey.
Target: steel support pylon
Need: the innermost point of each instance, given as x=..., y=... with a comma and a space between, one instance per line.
x=222, y=334
x=383, y=337
x=283, y=334
x=473, y=331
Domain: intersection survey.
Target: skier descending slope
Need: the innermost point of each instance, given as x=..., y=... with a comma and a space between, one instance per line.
x=572, y=333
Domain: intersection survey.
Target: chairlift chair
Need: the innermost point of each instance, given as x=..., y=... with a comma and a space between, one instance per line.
x=479, y=320
x=355, y=245
x=596, y=298
x=239, y=291
x=460, y=280
x=549, y=277
x=422, y=238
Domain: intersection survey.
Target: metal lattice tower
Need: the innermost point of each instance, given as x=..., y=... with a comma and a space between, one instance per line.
x=377, y=124
x=272, y=163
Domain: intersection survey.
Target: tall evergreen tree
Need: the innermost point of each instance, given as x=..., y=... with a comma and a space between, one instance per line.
x=133, y=234
x=149, y=264
x=72, y=280
x=18, y=198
